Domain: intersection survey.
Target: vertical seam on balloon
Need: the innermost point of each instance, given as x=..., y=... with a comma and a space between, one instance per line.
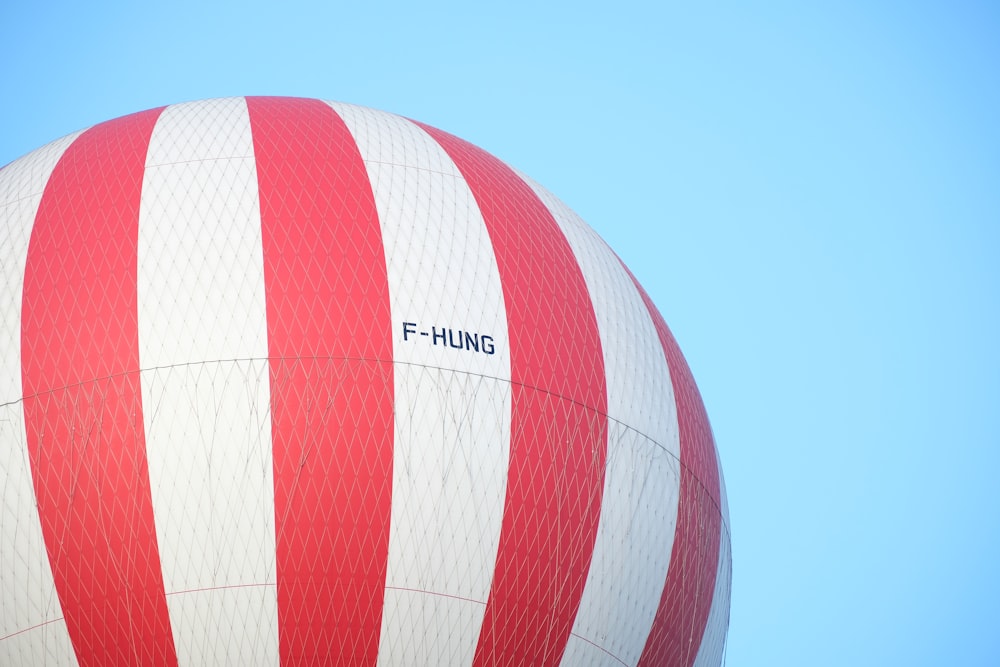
x=331, y=376
x=80, y=351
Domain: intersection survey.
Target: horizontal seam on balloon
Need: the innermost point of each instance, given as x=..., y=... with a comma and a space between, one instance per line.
x=443, y=595
x=403, y=165
x=220, y=588
x=33, y=627
x=598, y=647
x=681, y=463
x=18, y=200
x=154, y=165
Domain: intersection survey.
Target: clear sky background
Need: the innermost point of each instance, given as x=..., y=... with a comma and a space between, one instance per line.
x=810, y=191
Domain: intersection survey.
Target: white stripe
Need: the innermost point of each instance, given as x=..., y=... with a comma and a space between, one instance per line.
x=723, y=498
x=639, y=505
x=203, y=350
x=713, y=642
x=32, y=629
x=452, y=405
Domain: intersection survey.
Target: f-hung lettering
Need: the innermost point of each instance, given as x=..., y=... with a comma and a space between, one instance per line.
x=453, y=338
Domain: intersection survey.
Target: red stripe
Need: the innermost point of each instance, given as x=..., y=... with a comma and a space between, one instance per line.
x=559, y=420
x=83, y=411
x=328, y=329
x=680, y=619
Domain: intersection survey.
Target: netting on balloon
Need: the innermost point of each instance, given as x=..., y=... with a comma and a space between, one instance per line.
x=424, y=521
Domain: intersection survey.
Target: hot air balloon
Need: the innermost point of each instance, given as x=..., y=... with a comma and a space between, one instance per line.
x=287, y=381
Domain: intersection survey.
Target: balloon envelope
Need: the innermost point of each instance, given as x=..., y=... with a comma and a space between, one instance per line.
x=292, y=381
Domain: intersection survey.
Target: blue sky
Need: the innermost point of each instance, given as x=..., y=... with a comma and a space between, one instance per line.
x=809, y=191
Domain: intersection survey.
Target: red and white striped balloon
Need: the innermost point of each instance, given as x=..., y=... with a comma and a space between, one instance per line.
x=285, y=381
